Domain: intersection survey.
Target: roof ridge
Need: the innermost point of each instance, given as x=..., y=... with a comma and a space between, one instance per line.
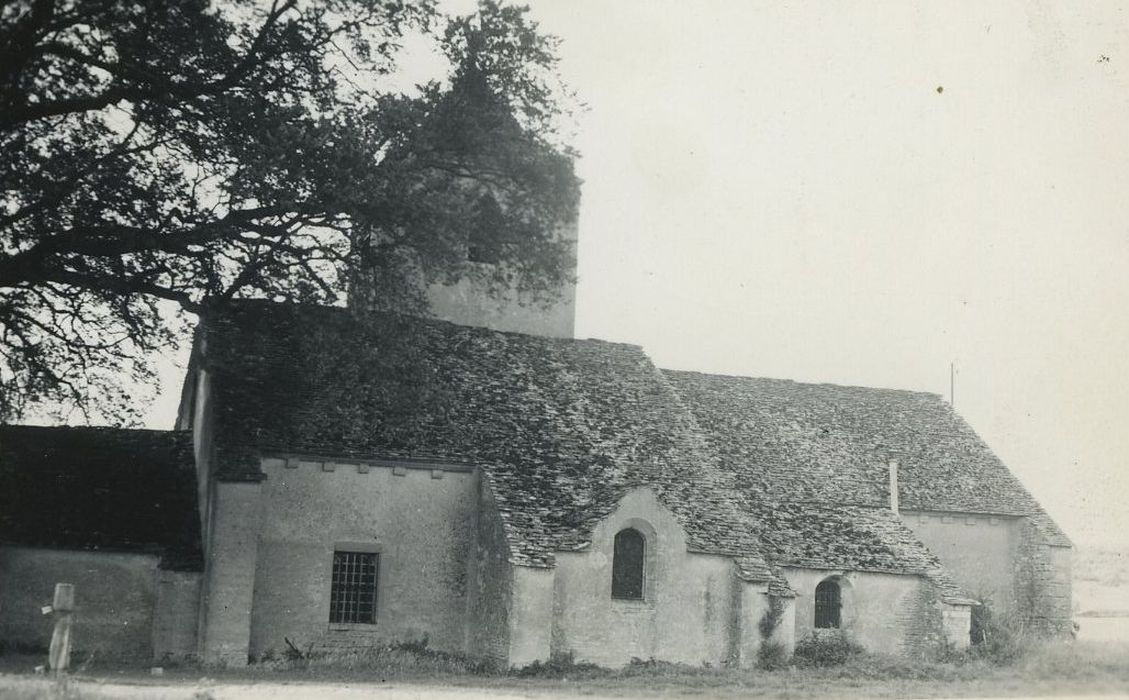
x=232, y=306
x=796, y=382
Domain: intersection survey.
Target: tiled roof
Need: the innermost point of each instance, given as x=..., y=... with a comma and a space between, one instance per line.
x=830, y=536
x=822, y=443
x=100, y=488
x=561, y=428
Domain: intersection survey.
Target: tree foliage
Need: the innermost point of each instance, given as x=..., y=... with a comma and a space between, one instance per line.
x=161, y=155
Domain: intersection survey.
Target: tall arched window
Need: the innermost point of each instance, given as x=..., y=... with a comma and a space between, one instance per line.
x=827, y=604
x=627, y=564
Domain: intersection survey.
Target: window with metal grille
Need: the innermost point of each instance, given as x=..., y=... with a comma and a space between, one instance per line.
x=827, y=605
x=352, y=596
x=627, y=564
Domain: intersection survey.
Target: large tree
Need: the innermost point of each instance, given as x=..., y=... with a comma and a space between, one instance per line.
x=160, y=155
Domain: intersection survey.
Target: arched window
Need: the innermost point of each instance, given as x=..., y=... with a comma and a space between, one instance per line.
x=627, y=564
x=827, y=604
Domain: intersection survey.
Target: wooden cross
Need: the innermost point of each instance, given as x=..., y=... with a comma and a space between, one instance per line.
x=59, y=658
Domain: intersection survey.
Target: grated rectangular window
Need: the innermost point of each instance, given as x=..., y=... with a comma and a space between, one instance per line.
x=352, y=596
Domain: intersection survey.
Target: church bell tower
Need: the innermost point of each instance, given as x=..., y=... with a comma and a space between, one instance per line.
x=471, y=123
x=469, y=302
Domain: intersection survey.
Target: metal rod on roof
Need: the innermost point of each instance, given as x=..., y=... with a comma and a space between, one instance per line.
x=893, y=468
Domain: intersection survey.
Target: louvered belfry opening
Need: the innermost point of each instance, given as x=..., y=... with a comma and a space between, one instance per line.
x=352, y=597
x=627, y=564
x=827, y=605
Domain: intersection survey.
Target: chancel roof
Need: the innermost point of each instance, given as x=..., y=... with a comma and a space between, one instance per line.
x=824, y=443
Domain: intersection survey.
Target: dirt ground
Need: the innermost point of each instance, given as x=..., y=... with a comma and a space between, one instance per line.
x=22, y=687
x=1051, y=669
x=15, y=687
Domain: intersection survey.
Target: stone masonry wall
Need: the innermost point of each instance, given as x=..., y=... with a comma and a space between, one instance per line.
x=689, y=606
x=531, y=616
x=469, y=302
x=1043, y=585
x=227, y=590
x=420, y=519
x=176, y=618
x=886, y=613
x=978, y=551
x=491, y=586
x=1003, y=561
x=757, y=606
x=933, y=626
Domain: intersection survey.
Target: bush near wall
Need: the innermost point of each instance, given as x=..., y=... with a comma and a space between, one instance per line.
x=1003, y=639
x=825, y=648
x=772, y=656
x=397, y=658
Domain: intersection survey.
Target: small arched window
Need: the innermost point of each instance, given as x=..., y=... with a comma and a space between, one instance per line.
x=627, y=564
x=827, y=604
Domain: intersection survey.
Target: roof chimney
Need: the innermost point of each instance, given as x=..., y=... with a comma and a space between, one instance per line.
x=893, y=464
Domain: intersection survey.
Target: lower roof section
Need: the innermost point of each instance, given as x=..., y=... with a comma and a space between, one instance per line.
x=100, y=488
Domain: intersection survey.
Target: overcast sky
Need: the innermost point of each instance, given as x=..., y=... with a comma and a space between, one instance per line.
x=863, y=193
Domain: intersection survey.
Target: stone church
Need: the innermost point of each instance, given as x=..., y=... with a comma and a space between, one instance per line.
x=483, y=480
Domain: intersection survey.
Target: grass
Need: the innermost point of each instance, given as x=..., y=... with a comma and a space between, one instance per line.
x=397, y=659
x=1044, y=668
